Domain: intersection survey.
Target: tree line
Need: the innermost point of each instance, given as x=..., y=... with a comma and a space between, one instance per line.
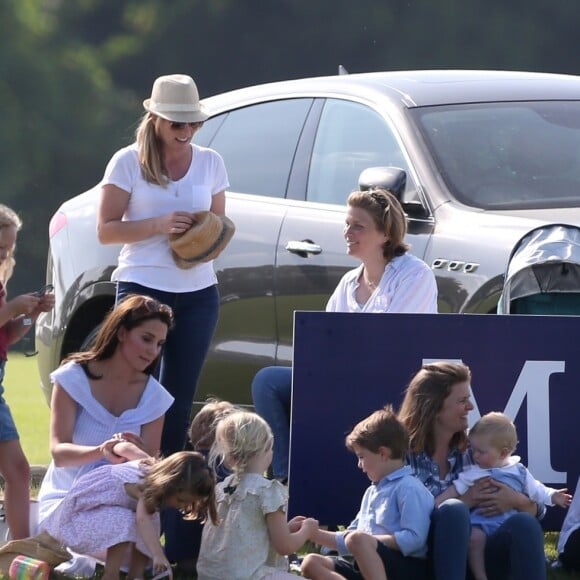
x=73, y=75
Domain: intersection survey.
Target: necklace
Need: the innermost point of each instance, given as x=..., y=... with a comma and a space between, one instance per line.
x=372, y=285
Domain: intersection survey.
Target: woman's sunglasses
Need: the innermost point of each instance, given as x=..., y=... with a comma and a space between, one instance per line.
x=179, y=126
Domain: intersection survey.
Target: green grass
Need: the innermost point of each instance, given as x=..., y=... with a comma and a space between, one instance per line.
x=31, y=414
x=28, y=406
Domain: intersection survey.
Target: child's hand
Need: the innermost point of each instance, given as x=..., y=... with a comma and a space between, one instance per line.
x=295, y=523
x=161, y=567
x=310, y=525
x=107, y=451
x=46, y=303
x=562, y=498
x=131, y=438
x=23, y=304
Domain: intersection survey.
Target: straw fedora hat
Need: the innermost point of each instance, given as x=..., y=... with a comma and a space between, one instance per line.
x=203, y=241
x=175, y=98
x=41, y=547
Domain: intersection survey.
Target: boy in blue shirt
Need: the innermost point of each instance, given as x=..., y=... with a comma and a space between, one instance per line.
x=389, y=533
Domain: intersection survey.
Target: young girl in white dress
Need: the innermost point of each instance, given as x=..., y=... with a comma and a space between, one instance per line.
x=253, y=536
x=114, y=508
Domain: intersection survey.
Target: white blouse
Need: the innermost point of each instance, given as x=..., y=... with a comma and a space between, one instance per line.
x=407, y=285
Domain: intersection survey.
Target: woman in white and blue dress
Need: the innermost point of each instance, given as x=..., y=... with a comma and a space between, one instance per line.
x=104, y=392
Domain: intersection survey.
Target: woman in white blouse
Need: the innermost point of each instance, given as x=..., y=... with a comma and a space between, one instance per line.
x=389, y=279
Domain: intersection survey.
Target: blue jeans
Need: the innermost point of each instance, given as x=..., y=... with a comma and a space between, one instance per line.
x=514, y=551
x=184, y=353
x=271, y=394
x=449, y=540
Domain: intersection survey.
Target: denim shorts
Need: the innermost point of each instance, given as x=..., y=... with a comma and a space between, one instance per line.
x=8, y=430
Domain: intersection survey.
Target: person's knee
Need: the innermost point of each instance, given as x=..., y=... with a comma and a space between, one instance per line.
x=262, y=382
x=525, y=527
x=18, y=470
x=452, y=513
x=357, y=542
x=313, y=563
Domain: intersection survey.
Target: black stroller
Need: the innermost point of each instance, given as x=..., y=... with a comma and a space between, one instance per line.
x=543, y=273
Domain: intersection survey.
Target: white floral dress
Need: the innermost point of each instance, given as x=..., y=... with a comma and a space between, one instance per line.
x=239, y=547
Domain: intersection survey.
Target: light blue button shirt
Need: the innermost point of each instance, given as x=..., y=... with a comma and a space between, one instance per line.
x=398, y=505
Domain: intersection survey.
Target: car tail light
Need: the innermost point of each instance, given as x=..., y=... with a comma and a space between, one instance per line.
x=57, y=222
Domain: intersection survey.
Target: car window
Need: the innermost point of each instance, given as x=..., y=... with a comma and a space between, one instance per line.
x=350, y=138
x=204, y=136
x=258, y=144
x=507, y=155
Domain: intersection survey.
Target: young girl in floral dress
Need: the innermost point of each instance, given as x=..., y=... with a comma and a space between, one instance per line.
x=253, y=535
x=114, y=509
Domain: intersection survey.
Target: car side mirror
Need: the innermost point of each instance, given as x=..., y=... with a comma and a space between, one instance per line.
x=393, y=179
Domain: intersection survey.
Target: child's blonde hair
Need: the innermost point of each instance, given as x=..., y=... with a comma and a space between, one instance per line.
x=184, y=473
x=203, y=426
x=239, y=438
x=500, y=430
x=8, y=219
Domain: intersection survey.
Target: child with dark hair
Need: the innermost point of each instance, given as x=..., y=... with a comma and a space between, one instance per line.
x=389, y=534
x=114, y=508
x=201, y=438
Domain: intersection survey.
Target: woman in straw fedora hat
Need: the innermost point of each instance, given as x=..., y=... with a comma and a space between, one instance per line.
x=150, y=192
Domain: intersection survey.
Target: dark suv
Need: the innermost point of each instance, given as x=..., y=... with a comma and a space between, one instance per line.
x=487, y=156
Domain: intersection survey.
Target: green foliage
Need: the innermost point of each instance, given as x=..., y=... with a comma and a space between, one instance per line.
x=73, y=74
x=28, y=407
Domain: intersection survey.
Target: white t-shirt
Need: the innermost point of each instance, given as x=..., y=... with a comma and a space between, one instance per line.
x=407, y=285
x=149, y=261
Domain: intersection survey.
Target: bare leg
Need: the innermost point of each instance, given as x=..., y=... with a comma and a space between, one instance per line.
x=115, y=557
x=16, y=472
x=317, y=567
x=364, y=548
x=476, y=553
x=138, y=563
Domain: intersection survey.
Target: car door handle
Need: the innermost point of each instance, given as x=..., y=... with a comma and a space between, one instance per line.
x=303, y=247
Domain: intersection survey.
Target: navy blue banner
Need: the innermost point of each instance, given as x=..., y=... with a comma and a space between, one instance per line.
x=348, y=365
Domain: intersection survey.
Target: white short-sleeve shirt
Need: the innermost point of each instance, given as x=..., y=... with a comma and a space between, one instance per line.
x=149, y=262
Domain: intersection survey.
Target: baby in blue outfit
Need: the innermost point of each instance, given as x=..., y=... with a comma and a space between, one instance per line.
x=493, y=439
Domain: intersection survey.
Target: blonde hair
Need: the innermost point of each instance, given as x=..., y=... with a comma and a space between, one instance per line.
x=424, y=399
x=183, y=473
x=388, y=217
x=239, y=438
x=380, y=429
x=8, y=219
x=149, y=150
x=203, y=426
x=499, y=429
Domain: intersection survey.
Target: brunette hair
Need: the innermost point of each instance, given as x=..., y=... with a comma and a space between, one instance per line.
x=380, y=429
x=239, y=437
x=500, y=430
x=184, y=473
x=8, y=219
x=388, y=217
x=203, y=426
x=132, y=312
x=424, y=398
